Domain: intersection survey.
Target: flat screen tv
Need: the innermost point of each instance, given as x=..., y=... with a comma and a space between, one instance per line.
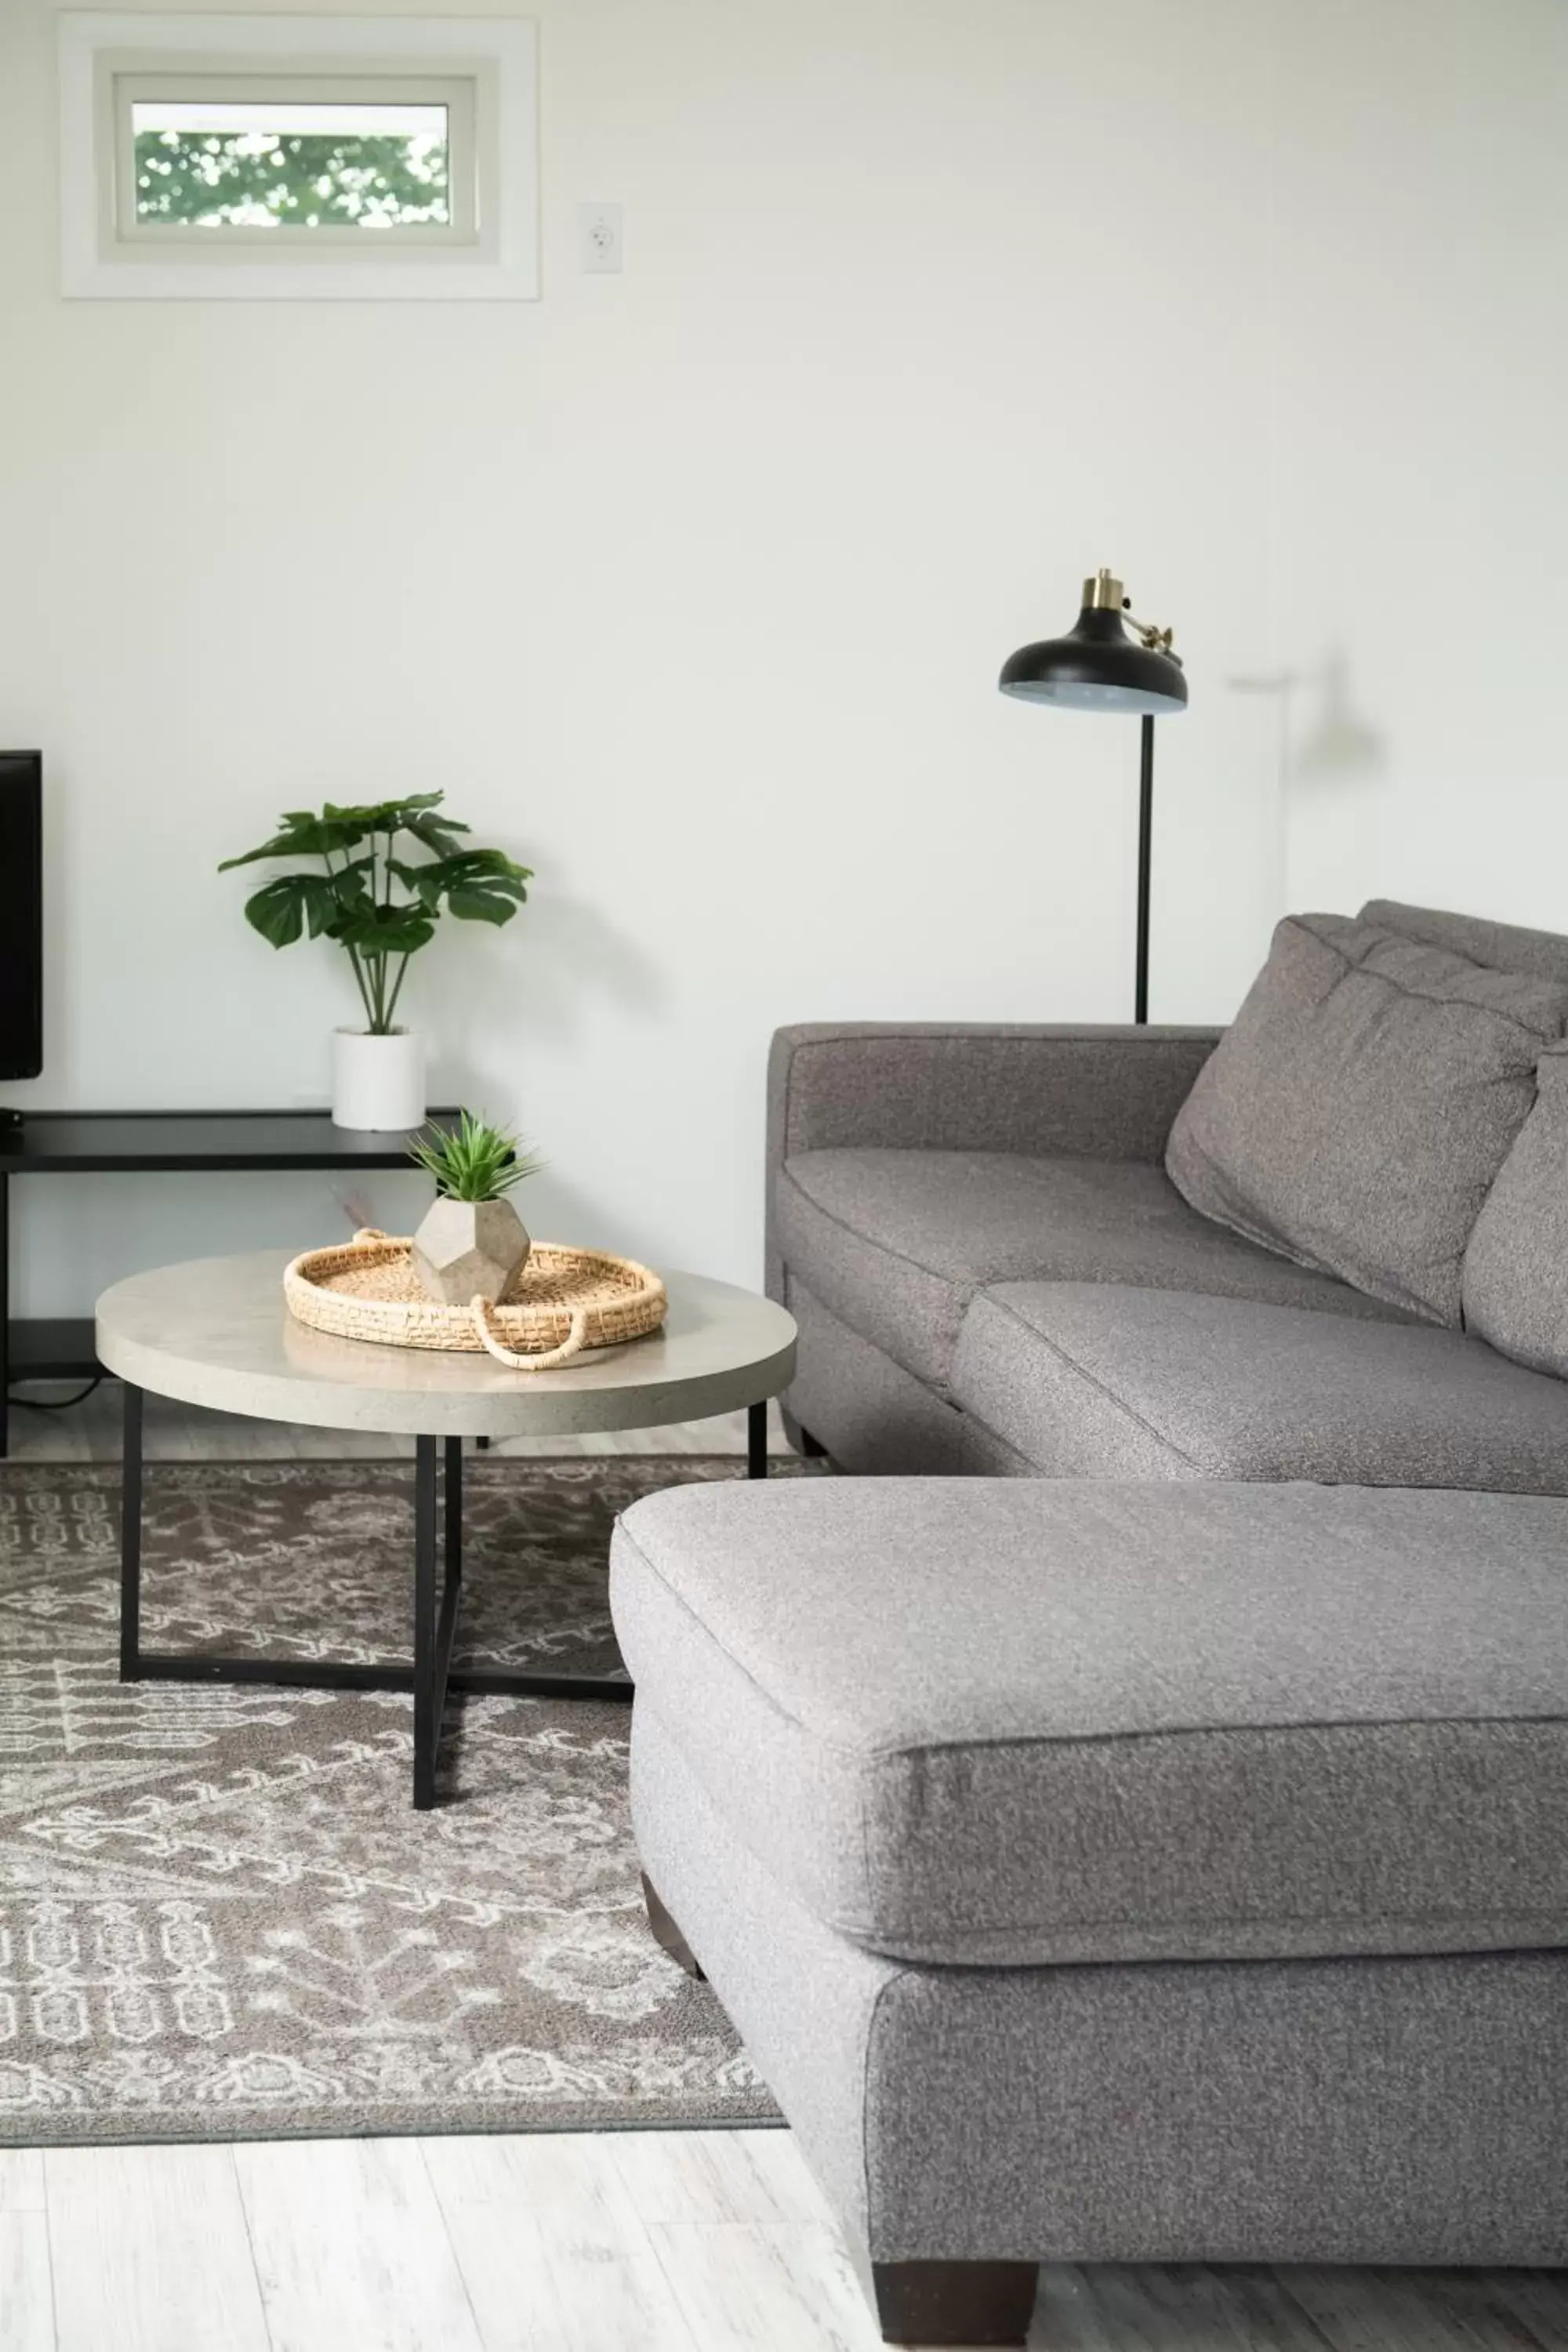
x=21, y=914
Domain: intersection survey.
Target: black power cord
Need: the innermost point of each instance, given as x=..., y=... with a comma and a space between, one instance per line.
x=54, y=1404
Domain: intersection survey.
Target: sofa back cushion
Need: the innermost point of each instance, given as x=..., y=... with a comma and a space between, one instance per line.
x=1516, y=1268
x=1357, y=1112
x=1500, y=947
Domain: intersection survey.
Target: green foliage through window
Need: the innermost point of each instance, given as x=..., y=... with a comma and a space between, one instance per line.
x=263, y=179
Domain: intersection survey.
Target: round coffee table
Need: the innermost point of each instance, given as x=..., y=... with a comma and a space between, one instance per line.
x=217, y=1332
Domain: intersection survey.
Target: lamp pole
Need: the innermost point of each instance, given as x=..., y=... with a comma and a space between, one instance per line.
x=1145, y=837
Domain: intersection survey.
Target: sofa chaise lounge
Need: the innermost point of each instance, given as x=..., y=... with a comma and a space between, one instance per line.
x=1122, y=1872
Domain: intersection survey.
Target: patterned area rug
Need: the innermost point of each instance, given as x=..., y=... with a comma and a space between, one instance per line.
x=220, y=1917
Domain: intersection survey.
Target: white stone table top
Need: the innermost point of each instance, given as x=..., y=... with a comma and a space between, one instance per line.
x=215, y=1332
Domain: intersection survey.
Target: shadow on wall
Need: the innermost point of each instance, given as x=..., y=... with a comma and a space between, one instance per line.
x=1337, y=747
x=1325, y=743
x=561, y=953
x=1327, y=756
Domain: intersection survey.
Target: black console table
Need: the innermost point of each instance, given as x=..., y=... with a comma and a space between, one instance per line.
x=129, y=1142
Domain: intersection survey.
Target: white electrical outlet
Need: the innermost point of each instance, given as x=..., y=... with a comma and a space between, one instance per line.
x=599, y=239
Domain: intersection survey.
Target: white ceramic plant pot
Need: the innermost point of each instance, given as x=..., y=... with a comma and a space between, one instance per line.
x=468, y=1249
x=378, y=1083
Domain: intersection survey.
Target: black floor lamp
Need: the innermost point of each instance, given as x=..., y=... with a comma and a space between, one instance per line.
x=1098, y=667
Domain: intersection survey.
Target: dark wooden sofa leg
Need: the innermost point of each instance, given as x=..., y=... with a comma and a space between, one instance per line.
x=915, y=2302
x=952, y=2302
x=666, y=1933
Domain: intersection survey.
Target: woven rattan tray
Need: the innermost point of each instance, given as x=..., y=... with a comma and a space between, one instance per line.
x=560, y=1302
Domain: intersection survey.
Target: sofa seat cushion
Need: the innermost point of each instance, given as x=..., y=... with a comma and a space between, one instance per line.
x=1022, y=1721
x=896, y=1243
x=1101, y=1382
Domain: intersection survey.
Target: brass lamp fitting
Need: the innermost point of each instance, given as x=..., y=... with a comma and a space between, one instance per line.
x=1104, y=594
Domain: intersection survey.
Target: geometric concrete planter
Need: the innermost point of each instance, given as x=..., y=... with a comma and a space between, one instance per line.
x=468, y=1249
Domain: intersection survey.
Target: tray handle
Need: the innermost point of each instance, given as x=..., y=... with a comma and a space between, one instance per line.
x=570, y=1346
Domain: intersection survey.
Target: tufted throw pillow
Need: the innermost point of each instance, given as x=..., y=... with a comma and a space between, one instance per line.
x=1356, y=1113
x=1516, y=1268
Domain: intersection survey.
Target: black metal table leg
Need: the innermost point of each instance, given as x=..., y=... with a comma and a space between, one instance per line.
x=4, y=1314
x=426, y=1711
x=131, y=1540
x=756, y=1441
x=434, y=1622
x=452, y=1510
x=437, y=1464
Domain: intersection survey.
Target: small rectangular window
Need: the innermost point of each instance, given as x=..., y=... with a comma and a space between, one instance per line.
x=281, y=155
x=249, y=156
x=290, y=164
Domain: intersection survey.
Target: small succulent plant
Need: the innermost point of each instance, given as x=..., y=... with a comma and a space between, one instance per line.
x=474, y=1162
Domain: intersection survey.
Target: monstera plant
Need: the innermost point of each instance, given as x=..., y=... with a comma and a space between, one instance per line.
x=376, y=880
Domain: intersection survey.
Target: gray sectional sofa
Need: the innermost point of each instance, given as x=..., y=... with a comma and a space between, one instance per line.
x=1152, y=1843
x=993, y=1271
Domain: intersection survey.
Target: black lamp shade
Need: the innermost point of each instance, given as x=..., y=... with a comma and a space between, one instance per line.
x=1096, y=666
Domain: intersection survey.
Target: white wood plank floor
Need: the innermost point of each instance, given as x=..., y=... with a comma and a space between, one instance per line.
x=613, y=2242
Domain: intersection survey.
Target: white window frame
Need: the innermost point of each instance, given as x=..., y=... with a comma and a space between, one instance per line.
x=483, y=69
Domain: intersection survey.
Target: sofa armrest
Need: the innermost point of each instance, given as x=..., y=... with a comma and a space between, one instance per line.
x=1107, y=1092
x=1111, y=1093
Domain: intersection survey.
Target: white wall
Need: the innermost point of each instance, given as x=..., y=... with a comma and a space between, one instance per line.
x=690, y=586
x=1423, y=489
